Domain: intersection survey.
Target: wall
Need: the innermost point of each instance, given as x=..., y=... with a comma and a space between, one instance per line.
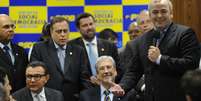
x=188, y=12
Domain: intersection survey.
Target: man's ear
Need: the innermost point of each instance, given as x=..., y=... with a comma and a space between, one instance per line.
x=47, y=77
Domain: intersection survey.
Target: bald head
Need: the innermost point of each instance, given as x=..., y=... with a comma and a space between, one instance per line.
x=163, y=2
x=4, y=16
x=161, y=13
x=6, y=28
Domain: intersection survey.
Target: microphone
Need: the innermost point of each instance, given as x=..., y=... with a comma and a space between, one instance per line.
x=156, y=38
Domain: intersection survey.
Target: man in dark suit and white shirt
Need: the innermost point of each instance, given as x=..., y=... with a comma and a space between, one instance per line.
x=93, y=47
x=37, y=76
x=106, y=73
x=163, y=58
x=65, y=61
x=13, y=58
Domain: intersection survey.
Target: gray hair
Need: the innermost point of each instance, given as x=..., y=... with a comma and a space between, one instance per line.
x=103, y=58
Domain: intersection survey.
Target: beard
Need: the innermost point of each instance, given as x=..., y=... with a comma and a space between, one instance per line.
x=89, y=35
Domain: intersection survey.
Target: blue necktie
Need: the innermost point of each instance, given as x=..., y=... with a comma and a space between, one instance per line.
x=61, y=55
x=92, y=57
x=6, y=48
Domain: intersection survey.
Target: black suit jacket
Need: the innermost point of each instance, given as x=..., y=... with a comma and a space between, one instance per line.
x=93, y=94
x=24, y=94
x=180, y=52
x=73, y=79
x=104, y=48
x=16, y=71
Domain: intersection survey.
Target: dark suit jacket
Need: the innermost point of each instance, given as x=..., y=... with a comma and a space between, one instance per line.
x=180, y=52
x=93, y=94
x=104, y=48
x=24, y=94
x=73, y=79
x=15, y=72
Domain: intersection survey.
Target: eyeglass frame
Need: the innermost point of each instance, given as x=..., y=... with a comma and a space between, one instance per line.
x=36, y=77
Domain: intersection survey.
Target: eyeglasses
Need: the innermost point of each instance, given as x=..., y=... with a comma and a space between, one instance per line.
x=36, y=77
x=61, y=30
x=9, y=26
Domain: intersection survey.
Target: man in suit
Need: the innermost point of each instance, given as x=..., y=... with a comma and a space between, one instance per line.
x=191, y=83
x=37, y=76
x=162, y=58
x=106, y=72
x=13, y=57
x=93, y=46
x=65, y=61
x=5, y=86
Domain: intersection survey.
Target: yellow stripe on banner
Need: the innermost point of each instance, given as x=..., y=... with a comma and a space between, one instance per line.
x=135, y=2
x=4, y=3
x=28, y=19
x=107, y=16
x=74, y=35
x=65, y=2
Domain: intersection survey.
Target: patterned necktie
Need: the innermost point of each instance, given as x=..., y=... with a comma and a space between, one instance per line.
x=61, y=55
x=107, y=97
x=92, y=57
x=6, y=48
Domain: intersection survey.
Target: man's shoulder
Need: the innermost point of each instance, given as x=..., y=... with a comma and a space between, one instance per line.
x=104, y=41
x=21, y=92
x=92, y=90
x=16, y=46
x=179, y=28
x=53, y=91
x=75, y=41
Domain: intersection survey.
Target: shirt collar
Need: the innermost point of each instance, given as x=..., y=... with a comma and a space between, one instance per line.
x=2, y=45
x=103, y=89
x=94, y=41
x=57, y=46
x=165, y=29
x=42, y=93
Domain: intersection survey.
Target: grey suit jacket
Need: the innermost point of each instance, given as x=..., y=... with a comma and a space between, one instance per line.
x=24, y=94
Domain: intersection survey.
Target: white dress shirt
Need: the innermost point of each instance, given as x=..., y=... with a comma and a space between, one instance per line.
x=111, y=95
x=41, y=95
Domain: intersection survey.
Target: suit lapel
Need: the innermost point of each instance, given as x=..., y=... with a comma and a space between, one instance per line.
x=81, y=43
x=48, y=95
x=68, y=58
x=96, y=94
x=101, y=48
x=168, y=35
x=3, y=57
x=53, y=55
x=28, y=96
x=15, y=54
